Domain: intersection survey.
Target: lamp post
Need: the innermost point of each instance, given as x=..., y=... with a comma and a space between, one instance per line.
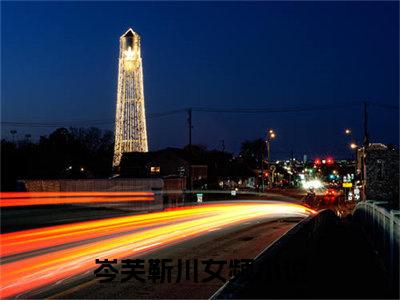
x=270, y=136
x=353, y=145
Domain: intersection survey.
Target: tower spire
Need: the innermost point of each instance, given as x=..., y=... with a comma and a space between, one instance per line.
x=130, y=120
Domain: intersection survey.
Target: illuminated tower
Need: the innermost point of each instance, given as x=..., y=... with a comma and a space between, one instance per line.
x=130, y=120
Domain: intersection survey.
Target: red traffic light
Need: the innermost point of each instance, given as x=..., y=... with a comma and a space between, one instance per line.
x=329, y=161
x=317, y=161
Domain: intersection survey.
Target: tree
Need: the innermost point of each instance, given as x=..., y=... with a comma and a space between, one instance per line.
x=65, y=153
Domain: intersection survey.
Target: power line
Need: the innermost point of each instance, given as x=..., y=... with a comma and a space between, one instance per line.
x=273, y=110
x=83, y=122
x=167, y=113
x=259, y=110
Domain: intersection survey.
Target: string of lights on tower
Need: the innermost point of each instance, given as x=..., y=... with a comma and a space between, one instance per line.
x=130, y=120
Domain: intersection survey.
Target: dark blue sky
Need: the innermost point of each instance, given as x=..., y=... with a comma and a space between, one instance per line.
x=59, y=63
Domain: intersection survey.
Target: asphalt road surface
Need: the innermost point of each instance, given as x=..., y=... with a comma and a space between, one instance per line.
x=59, y=261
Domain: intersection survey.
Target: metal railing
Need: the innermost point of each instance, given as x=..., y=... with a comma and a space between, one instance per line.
x=382, y=225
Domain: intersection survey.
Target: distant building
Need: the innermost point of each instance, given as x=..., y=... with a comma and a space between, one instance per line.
x=378, y=170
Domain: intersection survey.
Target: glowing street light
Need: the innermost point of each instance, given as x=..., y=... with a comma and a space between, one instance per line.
x=353, y=146
x=270, y=136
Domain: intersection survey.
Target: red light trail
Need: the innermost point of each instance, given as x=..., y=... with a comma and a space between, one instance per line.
x=12, y=199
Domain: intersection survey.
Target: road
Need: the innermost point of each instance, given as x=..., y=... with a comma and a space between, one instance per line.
x=59, y=260
x=18, y=213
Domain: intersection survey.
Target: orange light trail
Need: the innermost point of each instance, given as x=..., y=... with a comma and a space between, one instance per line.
x=151, y=231
x=11, y=199
x=16, y=242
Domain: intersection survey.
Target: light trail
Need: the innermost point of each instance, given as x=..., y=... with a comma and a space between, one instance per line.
x=11, y=195
x=16, y=242
x=13, y=199
x=169, y=227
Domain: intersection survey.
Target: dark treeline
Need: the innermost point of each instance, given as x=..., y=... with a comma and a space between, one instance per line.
x=87, y=153
x=65, y=153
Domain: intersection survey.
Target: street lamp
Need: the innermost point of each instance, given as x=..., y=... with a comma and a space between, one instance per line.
x=270, y=136
x=353, y=146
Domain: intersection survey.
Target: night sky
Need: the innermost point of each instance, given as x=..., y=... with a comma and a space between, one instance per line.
x=59, y=64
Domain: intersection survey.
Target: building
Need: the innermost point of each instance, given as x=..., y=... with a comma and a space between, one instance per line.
x=378, y=171
x=130, y=120
x=169, y=163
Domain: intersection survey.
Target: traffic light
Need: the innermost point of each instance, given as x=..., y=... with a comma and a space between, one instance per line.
x=329, y=161
x=317, y=161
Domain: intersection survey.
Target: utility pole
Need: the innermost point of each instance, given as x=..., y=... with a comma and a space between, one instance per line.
x=190, y=127
x=366, y=142
x=270, y=136
x=366, y=136
x=262, y=167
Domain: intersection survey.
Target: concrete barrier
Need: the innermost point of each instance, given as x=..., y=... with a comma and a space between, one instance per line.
x=321, y=257
x=382, y=226
x=104, y=185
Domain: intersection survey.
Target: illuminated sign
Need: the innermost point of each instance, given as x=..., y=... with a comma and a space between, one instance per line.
x=199, y=198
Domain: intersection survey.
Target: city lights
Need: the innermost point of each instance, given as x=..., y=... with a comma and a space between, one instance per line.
x=315, y=183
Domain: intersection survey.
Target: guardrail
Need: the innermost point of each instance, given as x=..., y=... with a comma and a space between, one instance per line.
x=382, y=225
